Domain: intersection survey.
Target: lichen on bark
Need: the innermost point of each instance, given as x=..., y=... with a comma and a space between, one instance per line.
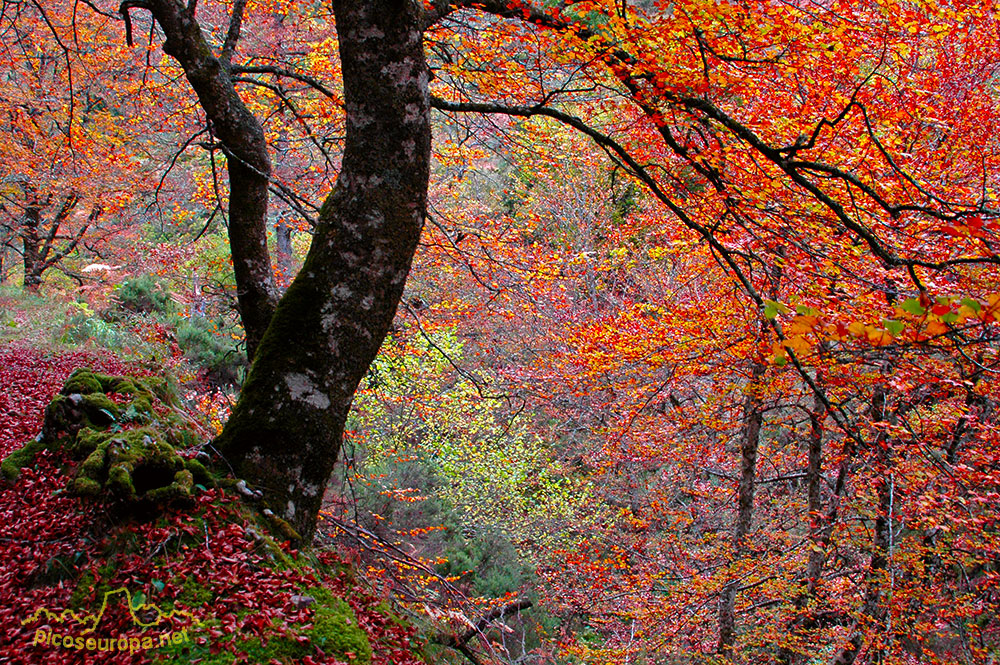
x=286, y=430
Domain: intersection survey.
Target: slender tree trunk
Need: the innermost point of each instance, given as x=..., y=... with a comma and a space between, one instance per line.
x=283, y=247
x=872, y=611
x=285, y=432
x=247, y=159
x=814, y=475
x=818, y=533
x=753, y=418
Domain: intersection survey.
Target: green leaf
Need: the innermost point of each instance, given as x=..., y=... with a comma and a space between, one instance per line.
x=157, y=584
x=972, y=304
x=913, y=306
x=894, y=327
x=773, y=308
x=805, y=310
x=138, y=600
x=950, y=317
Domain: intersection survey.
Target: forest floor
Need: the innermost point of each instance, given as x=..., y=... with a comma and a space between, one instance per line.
x=200, y=583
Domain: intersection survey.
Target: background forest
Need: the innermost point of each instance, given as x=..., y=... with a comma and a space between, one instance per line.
x=696, y=361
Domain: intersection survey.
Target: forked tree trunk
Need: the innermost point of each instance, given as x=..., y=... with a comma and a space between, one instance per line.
x=40, y=242
x=285, y=432
x=247, y=160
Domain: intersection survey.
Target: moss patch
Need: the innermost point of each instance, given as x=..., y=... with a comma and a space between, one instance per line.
x=335, y=628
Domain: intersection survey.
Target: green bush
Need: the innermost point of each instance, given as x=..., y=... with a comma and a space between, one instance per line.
x=143, y=294
x=82, y=327
x=217, y=356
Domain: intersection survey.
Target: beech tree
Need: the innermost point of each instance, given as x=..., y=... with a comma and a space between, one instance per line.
x=285, y=432
x=70, y=170
x=242, y=140
x=44, y=244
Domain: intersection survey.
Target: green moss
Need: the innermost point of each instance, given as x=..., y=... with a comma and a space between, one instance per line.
x=279, y=648
x=194, y=594
x=124, y=385
x=20, y=458
x=95, y=465
x=183, y=437
x=82, y=381
x=85, y=487
x=98, y=409
x=282, y=528
x=335, y=628
x=276, y=649
x=83, y=591
x=138, y=465
x=200, y=473
x=179, y=489
x=87, y=440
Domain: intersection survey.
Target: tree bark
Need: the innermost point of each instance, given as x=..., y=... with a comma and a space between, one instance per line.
x=872, y=610
x=285, y=432
x=283, y=249
x=247, y=159
x=40, y=253
x=818, y=533
x=31, y=245
x=753, y=418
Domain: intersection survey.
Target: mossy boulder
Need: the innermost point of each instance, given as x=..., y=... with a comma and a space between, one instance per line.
x=127, y=449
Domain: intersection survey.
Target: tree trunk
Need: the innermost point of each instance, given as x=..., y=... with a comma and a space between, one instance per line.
x=283, y=248
x=818, y=533
x=753, y=418
x=285, y=432
x=247, y=159
x=875, y=588
x=31, y=246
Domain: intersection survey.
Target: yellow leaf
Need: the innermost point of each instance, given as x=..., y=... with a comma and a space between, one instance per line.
x=936, y=327
x=878, y=336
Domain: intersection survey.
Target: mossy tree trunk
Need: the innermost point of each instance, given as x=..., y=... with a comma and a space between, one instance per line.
x=285, y=433
x=241, y=138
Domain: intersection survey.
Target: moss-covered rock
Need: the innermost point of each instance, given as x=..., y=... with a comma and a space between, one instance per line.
x=134, y=465
x=20, y=458
x=82, y=381
x=332, y=630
